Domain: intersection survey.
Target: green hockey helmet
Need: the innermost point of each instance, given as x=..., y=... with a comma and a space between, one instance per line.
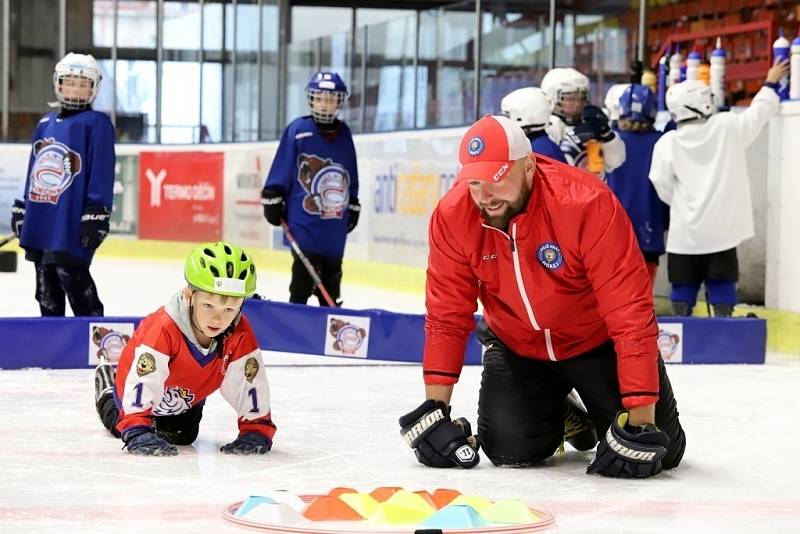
x=221, y=268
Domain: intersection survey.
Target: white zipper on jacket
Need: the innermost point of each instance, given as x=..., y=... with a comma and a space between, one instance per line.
x=521, y=288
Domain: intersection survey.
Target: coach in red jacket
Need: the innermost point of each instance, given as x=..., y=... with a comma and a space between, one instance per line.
x=552, y=256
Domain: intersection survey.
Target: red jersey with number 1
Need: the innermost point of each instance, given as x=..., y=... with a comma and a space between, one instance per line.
x=161, y=373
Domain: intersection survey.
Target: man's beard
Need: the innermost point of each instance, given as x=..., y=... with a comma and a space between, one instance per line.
x=500, y=221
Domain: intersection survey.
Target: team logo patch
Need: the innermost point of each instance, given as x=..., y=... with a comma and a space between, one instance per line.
x=475, y=146
x=55, y=167
x=550, y=255
x=146, y=364
x=667, y=343
x=250, y=369
x=348, y=337
x=108, y=340
x=327, y=186
x=176, y=400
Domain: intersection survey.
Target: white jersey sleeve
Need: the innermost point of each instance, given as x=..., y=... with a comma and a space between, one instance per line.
x=749, y=123
x=144, y=385
x=246, y=388
x=613, y=153
x=662, y=172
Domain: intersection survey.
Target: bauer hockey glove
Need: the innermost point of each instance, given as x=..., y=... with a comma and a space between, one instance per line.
x=594, y=125
x=248, y=443
x=437, y=440
x=17, y=216
x=95, y=223
x=274, y=206
x=145, y=442
x=353, y=212
x=629, y=452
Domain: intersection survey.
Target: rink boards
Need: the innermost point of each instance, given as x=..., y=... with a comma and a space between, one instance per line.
x=74, y=342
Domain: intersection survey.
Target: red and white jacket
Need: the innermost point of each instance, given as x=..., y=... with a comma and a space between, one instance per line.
x=567, y=276
x=161, y=372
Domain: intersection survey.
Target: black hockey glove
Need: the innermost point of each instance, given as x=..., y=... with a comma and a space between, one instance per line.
x=248, y=443
x=17, y=216
x=95, y=223
x=436, y=439
x=274, y=206
x=594, y=125
x=629, y=452
x=353, y=212
x=145, y=442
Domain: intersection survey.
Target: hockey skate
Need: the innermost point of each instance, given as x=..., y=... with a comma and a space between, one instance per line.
x=578, y=429
x=103, y=381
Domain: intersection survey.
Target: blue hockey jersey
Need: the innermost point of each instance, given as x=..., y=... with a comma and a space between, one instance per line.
x=635, y=191
x=542, y=144
x=71, y=166
x=318, y=176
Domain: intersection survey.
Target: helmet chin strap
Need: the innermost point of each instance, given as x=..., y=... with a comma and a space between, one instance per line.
x=700, y=114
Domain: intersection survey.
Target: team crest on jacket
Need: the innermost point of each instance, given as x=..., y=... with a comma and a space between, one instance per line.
x=55, y=167
x=327, y=186
x=550, y=255
x=250, y=369
x=176, y=400
x=146, y=364
x=348, y=337
x=475, y=146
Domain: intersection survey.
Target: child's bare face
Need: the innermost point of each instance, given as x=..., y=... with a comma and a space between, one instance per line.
x=214, y=313
x=76, y=87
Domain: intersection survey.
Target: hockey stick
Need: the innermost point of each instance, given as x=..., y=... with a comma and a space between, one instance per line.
x=7, y=239
x=310, y=268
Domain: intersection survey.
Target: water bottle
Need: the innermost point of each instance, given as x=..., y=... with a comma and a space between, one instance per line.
x=675, y=67
x=663, y=76
x=780, y=52
x=717, y=74
x=794, y=83
x=693, y=65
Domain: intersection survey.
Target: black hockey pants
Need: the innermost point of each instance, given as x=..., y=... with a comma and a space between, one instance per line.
x=55, y=282
x=302, y=285
x=176, y=429
x=521, y=401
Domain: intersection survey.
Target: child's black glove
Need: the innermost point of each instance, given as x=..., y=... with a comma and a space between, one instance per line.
x=95, y=225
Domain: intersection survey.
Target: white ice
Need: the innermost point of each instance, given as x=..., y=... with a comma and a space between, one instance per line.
x=337, y=426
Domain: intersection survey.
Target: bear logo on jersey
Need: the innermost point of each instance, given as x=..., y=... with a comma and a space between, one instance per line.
x=550, y=255
x=55, y=167
x=327, y=185
x=176, y=400
x=146, y=364
x=250, y=369
x=348, y=337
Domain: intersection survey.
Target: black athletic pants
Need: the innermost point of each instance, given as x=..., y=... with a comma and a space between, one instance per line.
x=520, y=406
x=176, y=429
x=55, y=283
x=302, y=285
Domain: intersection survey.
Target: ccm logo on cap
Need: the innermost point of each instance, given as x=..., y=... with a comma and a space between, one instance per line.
x=499, y=174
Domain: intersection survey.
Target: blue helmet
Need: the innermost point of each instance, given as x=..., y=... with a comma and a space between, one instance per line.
x=323, y=108
x=638, y=103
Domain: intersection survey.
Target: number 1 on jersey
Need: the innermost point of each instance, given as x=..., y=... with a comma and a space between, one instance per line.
x=254, y=396
x=137, y=402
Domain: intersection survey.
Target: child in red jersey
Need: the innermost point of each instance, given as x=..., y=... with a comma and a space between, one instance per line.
x=199, y=342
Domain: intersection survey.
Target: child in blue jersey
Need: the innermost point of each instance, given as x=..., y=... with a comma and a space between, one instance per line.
x=530, y=108
x=313, y=186
x=630, y=182
x=68, y=196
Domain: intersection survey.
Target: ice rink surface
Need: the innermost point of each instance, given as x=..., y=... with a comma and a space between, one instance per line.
x=337, y=426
